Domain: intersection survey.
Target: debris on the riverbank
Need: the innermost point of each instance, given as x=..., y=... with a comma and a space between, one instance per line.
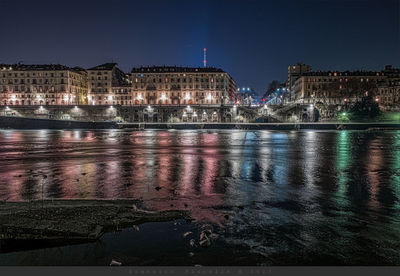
x=192, y=243
x=206, y=235
x=115, y=263
x=187, y=234
x=214, y=236
x=136, y=228
x=205, y=242
x=75, y=219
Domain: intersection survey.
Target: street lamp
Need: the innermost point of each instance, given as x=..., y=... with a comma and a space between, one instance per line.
x=209, y=97
x=163, y=97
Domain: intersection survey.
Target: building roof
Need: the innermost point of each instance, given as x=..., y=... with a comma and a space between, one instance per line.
x=37, y=67
x=345, y=73
x=105, y=66
x=176, y=69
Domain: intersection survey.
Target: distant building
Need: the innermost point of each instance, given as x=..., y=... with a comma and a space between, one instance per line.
x=108, y=85
x=341, y=88
x=182, y=85
x=247, y=95
x=336, y=87
x=295, y=72
x=280, y=95
x=389, y=90
x=49, y=84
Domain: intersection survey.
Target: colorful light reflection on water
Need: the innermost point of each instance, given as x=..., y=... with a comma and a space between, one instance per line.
x=323, y=193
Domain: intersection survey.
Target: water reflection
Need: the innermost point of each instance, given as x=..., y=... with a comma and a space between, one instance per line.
x=273, y=191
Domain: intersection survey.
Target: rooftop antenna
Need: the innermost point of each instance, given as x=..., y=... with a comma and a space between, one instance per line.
x=205, y=57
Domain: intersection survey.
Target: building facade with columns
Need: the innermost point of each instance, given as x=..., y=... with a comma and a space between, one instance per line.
x=52, y=84
x=169, y=85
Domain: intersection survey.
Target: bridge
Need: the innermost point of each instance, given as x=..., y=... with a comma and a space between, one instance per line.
x=145, y=113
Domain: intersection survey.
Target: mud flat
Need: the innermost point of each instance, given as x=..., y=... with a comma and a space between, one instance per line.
x=75, y=220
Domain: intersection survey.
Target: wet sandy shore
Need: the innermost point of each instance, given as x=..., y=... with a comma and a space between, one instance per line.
x=75, y=219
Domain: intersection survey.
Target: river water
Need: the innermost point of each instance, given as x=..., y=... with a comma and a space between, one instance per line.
x=272, y=197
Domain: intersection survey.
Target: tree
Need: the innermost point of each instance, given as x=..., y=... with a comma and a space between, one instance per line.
x=367, y=108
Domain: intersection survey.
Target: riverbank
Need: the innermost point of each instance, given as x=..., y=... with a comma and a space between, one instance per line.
x=264, y=126
x=34, y=123
x=13, y=122
x=75, y=220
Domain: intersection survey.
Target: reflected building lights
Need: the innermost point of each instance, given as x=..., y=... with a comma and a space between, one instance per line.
x=342, y=162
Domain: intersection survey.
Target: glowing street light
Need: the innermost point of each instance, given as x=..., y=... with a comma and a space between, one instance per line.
x=187, y=96
x=163, y=97
x=139, y=97
x=209, y=97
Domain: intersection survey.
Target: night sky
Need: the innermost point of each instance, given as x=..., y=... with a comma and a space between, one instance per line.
x=254, y=40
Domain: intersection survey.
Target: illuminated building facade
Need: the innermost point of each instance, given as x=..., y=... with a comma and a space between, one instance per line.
x=336, y=87
x=182, y=86
x=389, y=90
x=108, y=85
x=42, y=85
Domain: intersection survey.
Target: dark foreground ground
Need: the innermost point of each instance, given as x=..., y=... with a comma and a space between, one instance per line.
x=77, y=232
x=74, y=220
